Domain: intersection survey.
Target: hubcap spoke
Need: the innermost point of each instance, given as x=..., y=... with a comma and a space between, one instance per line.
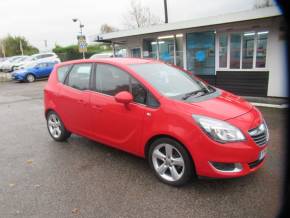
x=50, y=123
x=168, y=149
x=162, y=168
x=174, y=173
x=57, y=131
x=159, y=155
x=178, y=161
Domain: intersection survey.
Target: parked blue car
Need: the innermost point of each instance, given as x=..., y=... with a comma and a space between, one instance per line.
x=33, y=72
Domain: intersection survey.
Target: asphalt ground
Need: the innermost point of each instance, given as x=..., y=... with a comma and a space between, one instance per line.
x=81, y=178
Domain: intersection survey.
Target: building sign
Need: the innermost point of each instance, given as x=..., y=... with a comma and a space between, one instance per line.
x=82, y=44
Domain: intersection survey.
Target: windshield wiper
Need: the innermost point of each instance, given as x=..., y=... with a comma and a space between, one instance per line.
x=203, y=90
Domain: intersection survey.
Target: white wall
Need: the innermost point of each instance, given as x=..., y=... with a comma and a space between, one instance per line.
x=277, y=62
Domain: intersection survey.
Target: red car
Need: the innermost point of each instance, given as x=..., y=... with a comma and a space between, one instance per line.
x=180, y=124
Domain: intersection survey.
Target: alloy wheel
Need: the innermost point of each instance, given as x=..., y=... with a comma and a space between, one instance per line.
x=30, y=78
x=168, y=162
x=54, y=126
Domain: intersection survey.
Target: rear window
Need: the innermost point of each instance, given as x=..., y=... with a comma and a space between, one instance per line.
x=62, y=72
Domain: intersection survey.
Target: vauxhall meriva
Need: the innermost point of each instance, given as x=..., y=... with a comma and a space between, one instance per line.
x=179, y=123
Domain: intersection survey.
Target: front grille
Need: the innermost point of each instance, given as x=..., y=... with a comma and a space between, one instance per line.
x=255, y=163
x=260, y=134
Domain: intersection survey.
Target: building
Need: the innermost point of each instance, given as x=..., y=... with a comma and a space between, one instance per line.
x=242, y=52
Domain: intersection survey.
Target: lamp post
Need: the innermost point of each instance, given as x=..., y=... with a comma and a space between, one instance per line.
x=165, y=11
x=81, y=30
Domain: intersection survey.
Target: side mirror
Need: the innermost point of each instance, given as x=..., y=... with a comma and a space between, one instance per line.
x=124, y=97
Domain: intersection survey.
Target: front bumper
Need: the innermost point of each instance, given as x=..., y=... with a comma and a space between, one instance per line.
x=17, y=77
x=246, y=162
x=246, y=156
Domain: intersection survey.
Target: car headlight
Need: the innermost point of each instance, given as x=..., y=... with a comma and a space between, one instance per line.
x=219, y=130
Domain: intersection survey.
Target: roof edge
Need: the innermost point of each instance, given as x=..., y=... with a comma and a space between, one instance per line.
x=200, y=22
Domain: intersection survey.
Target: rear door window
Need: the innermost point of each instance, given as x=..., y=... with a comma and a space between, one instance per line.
x=79, y=76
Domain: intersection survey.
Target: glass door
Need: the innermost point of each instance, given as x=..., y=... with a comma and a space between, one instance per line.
x=200, y=48
x=166, y=45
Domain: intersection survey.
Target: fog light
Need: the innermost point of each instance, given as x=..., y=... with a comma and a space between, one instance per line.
x=227, y=167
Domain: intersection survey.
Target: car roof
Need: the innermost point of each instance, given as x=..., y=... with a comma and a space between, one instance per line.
x=119, y=61
x=34, y=55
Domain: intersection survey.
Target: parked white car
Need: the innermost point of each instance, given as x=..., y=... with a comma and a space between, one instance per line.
x=36, y=58
x=102, y=55
x=6, y=65
x=10, y=66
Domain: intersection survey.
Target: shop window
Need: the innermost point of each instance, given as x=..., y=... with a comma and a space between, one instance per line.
x=150, y=48
x=120, y=51
x=166, y=48
x=179, y=50
x=201, y=52
x=223, y=50
x=235, y=50
x=248, y=50
x=136, y=52
x=252, y=55
x=261, y=49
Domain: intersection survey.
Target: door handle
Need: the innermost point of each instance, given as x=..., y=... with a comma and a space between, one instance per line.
x=81, y=101
x=97, y=107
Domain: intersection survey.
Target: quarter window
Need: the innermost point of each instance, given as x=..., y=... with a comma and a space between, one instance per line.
x=79, y=76
x=138, y=91
x=62, y=72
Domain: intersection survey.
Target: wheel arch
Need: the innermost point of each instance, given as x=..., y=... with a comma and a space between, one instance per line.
x=30, y=73
x=47, y=111
x=153, y=138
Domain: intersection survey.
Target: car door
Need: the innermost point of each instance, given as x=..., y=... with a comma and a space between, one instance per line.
x=74, y=99
x=40, y=69
x=48, y=68
x=114, y=123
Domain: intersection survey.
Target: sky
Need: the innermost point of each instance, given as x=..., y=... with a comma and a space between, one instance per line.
x=40, y=20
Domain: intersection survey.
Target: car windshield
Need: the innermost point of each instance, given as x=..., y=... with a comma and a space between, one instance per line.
x=21, y=59
x=170, y=81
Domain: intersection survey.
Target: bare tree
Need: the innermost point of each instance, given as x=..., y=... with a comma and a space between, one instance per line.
x=106, y=28
x=139, y=16
x=263, y=3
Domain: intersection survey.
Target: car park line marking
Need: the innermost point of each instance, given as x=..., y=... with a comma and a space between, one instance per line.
x=282, y=106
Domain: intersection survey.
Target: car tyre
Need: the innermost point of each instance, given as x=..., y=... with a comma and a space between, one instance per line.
x=56, y=127
x=170, y=162
x=30, y=78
